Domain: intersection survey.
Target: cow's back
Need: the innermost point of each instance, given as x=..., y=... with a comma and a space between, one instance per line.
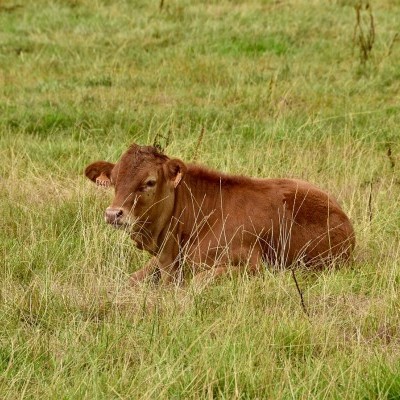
x=285, y=220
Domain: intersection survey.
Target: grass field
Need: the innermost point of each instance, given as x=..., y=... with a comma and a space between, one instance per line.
x=279, y=89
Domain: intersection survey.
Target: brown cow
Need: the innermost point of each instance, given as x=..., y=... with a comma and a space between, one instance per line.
x=185, y=214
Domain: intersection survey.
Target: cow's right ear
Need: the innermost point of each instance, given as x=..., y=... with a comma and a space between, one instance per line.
x=175, y=170
x=100, y=173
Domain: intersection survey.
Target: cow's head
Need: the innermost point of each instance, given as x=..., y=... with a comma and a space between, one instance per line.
x=144, y=181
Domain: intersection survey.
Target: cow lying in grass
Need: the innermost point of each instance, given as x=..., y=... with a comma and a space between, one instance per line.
x=188, y=215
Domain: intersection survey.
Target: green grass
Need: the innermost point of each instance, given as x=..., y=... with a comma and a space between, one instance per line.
x=280, y=92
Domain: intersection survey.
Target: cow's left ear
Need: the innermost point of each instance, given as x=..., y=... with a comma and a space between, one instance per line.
x=174, y=171
x=100, y=173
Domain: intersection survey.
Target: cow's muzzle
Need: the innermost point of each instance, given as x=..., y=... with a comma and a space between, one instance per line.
x=114, y=216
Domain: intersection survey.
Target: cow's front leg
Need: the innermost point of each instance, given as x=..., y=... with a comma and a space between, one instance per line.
x=170, y=272
x=168, y=262
x=150, y=271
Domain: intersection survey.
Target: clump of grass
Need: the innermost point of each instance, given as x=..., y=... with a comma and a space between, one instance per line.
x=364, y=33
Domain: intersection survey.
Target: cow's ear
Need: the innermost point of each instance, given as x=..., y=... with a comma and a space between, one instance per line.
x=100, y=173
x=174, y=170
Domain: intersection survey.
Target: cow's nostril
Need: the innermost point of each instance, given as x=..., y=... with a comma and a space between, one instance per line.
x=113, y=215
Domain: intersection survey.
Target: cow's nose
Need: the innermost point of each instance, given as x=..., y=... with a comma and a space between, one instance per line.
x=113, y=215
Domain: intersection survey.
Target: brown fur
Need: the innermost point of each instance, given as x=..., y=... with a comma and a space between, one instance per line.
x=186, y=214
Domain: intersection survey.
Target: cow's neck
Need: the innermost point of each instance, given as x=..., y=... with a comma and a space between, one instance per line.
x=201, y=195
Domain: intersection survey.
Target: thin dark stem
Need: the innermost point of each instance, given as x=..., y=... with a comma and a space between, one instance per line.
x=303, y=306
x=370, y=202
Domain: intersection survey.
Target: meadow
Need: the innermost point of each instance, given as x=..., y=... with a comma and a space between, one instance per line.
x=264, y=88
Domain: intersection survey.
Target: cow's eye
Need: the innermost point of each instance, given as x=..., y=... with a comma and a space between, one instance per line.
x=148, y=185
x=151, y=183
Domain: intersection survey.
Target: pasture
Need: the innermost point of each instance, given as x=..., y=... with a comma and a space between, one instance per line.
x=261, y=88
